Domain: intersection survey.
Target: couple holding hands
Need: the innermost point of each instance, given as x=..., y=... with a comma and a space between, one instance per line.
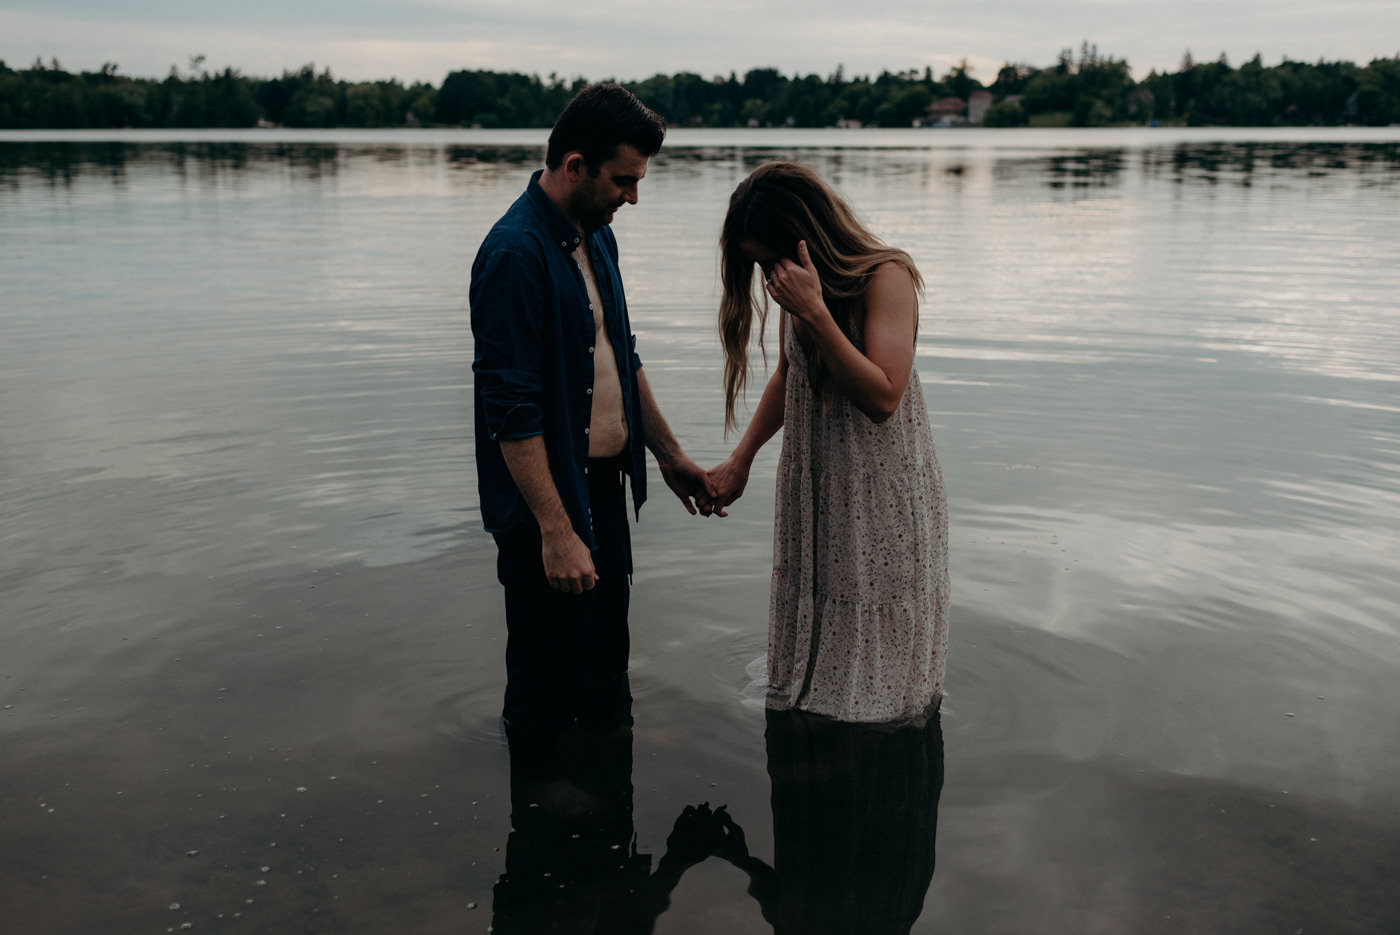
x=859, y=601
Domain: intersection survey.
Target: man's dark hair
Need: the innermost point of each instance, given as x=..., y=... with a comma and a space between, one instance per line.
x=598, y=120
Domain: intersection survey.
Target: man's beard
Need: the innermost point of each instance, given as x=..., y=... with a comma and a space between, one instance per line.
x=590, y=215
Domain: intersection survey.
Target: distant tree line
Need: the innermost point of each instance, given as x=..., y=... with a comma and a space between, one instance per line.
x=1086, y=90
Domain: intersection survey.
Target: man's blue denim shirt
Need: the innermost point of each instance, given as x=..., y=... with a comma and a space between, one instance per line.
x=533, y=368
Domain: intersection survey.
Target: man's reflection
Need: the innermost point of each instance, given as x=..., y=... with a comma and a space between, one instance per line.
x=855, y=811
x=571, y=861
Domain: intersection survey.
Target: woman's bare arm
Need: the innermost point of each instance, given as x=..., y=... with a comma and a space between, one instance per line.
x=730, y=476
x=874, y=380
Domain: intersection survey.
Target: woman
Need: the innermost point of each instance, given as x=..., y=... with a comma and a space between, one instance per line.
x=859, y=605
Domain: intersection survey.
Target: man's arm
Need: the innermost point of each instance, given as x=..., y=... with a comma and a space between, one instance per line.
x=568, y=563
x=507, y=307
x=687, y=480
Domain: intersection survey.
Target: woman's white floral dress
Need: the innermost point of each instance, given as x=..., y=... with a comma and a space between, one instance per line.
x=858, y=615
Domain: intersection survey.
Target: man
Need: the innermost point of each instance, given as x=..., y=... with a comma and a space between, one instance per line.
x=563, y=410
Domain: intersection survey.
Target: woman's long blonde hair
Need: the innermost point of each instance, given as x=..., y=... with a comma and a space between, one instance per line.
x=779, y=204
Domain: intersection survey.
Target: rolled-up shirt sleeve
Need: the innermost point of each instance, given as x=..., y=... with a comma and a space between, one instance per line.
x=507, y=305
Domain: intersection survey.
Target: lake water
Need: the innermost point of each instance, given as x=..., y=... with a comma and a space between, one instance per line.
x=251, y=643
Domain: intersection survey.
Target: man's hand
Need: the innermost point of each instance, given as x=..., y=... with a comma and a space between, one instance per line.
x=690, y=483
x=568, y=563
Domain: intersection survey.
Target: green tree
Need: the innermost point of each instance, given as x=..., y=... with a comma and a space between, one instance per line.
x=960, y=81
x=1005, y=114
x=1377, y=98
x=1087, y=89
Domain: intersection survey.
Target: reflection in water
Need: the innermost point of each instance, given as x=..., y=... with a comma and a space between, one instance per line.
x=855, y=814
x=465, y=156
x=1170, y=404
x=63, y=163
x=1205, y=163
x=571, y=861
x=1093, y=166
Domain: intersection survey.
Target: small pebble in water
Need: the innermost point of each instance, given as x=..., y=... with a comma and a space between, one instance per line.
x=1289, y=714
x=174, y=906
x=471, y=905
x=301, y=788
x=191, y=853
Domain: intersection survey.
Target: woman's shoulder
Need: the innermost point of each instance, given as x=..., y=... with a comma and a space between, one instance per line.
x=892, y=274
x=892, y=282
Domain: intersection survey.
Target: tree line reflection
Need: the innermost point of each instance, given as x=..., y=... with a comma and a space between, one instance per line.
x=63, y=163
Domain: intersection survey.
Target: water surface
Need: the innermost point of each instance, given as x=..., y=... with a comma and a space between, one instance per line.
x=248, y=611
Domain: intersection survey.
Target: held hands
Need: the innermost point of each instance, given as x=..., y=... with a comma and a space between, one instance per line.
x=702, y=492
x=690, y=840
x=797, y=288
x=690, y=483
x=729, y=842
x=729, y=478
x=700, y=833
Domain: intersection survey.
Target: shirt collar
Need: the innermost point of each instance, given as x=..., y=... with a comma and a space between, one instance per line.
x=561, y=230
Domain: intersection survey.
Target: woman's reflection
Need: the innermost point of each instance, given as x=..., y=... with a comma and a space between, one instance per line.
x=855, y=811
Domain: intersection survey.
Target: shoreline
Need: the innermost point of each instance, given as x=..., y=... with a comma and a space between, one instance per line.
x=1135, y=137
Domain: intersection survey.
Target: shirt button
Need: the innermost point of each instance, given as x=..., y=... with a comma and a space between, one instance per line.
x=590, y=350
x=585, y=430
x=585, y=470
x=589, y=391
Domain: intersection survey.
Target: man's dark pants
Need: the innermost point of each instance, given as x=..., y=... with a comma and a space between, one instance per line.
x=566, y=654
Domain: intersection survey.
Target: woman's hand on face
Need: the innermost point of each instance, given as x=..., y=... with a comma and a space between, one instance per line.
x=797, y=288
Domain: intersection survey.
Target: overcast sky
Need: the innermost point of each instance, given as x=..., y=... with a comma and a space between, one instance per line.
x=631, y=39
